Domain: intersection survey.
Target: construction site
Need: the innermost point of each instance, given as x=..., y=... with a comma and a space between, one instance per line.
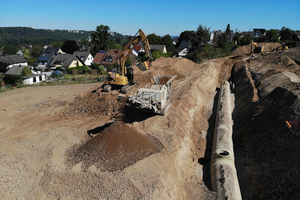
x=79, y=142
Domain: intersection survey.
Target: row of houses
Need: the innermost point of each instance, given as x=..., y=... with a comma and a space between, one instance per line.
x=54, y=57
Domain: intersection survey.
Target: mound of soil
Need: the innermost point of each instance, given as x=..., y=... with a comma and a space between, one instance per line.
x=117, y=147
x=268, y=47
x=164, y=66
x=96, y=103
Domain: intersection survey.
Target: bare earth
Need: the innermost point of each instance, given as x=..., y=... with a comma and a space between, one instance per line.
x=44, y=127
x=77, y=142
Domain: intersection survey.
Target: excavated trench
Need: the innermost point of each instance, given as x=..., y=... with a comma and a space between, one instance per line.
x=266, y=149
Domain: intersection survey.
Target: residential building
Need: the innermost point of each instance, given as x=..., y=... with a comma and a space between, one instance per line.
x=16, y=70
x=48, y=56
x=66, y=61
x=34, y=79
x=6, y=62
x=158, y=48
x=85, y=57
x=258, y=32
x=184, y=48
x=109, y=58
x=213, y=38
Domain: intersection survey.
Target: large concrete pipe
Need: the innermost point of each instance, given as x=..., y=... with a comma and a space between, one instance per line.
x=223, y=173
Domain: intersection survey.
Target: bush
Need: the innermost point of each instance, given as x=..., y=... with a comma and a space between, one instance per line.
x=81, y=69
x=59, y=68
x=95, y=66
x=47, y=69
x=157, y=54
x=12, y=79
x=26, y=71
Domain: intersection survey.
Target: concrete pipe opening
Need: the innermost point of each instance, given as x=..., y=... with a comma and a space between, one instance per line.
x=222, y=153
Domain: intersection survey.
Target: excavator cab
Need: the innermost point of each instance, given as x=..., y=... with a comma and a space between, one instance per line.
x=130, y=75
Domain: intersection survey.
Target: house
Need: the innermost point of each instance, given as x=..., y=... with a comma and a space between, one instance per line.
x=20, y=53
x=109, y=58
x=66, y=61
x=258, y=32
x=136, y=50
x=33, y=79
x=16, y=70
x=158, y=48
x=47, y=57
x=6, y=62
x=184, y=48
x=213, y=38
x=85, y=57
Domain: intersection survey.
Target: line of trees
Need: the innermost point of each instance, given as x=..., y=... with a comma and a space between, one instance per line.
x=226, y=41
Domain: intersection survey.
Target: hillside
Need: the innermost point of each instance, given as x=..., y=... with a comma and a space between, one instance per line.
x=26, y=35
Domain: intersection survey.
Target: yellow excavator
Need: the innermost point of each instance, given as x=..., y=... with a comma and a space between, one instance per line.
x=255, y=48
x=123, y=76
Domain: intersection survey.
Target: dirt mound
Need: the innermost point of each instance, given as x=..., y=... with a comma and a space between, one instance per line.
x=96, y=103
x=268, y=47
x=284, y=60
x=116, y=147
x=164, y=66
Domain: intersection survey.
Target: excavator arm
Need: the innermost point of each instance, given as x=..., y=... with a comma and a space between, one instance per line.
x=128, y=49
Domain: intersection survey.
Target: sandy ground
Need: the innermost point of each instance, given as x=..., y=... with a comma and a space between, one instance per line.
x=47, y=152
x=38, y=131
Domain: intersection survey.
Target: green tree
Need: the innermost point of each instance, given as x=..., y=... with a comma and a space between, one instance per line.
x=224, y=39
x=272, y=35
x=10, y=49
x=237, y=37
x=228, y=31
x=70, y=46
x=36, y=51
x=128, y=62
x=100, y=39
x=154, y=39
x=57, y=44
x=246, y=40
x=186, y=36
x=209, y=51
x=200, y=40
x=286, y=34
x=118, y=40
x=168, y=42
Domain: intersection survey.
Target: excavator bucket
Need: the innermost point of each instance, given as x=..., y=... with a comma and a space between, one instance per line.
x=144, y=66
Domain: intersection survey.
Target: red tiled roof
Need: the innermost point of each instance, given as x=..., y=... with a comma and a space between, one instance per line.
x=110, y=57
x=138, y=48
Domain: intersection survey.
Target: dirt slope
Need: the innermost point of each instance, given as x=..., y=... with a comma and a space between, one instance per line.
x=271, y=149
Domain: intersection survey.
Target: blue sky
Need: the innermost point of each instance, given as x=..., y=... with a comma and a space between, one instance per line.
x=160, y=17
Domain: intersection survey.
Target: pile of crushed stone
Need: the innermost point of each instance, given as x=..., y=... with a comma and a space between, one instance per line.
x=115, y=148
